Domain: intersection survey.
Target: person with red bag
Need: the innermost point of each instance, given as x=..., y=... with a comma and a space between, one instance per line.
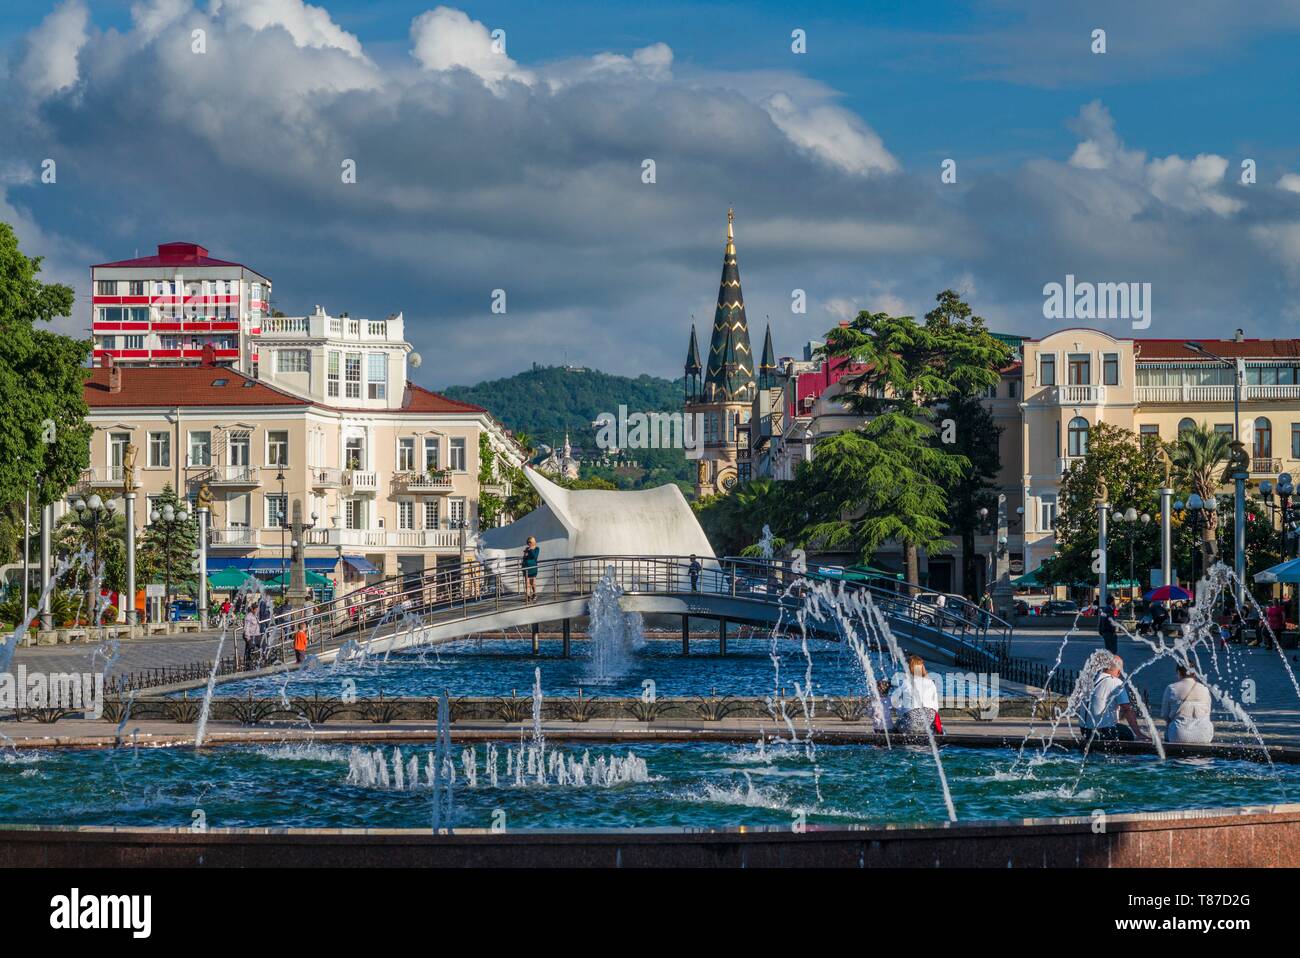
x=916, y=699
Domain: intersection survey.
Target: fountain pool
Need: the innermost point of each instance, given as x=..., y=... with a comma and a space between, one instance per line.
x=696, y=785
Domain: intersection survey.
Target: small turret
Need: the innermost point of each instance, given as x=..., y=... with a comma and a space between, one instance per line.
x=767, y=366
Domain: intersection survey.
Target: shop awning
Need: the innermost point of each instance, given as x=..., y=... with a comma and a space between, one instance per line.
x=361, y=564
x=265, y=565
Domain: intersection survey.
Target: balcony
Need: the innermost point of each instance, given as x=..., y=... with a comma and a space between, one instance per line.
x=1075, y=395
x=1214, y=394
x=436, y=482
x=357, y=480
x=238, y=537
x=324, y=477
x=103, y=476
x=234, y=476
x=1265, y=467
x=437, y=539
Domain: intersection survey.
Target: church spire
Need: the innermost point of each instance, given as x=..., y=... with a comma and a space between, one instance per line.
x=734, y=381
x=767, y=366
x=693, y=354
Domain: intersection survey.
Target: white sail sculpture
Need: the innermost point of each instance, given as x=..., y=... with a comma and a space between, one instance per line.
x=574, y=523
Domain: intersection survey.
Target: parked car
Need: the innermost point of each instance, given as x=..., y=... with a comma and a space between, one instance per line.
x=183, y=610
x=1060, y=607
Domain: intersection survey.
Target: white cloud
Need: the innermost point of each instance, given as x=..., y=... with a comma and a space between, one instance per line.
x=1289, y=182
x=832, y=134
x=447, y=39
x=50, y=62
x=151, y=17
x=309, y=26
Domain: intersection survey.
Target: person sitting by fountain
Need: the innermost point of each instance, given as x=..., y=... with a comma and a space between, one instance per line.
x=1186, y=710
x=915, y=698
x=694, y=569
x=1109, y=702
x=531, y=551
x=882, y=716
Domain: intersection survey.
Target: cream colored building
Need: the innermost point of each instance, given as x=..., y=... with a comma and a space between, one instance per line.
x=387, y=472
x=1076, y=378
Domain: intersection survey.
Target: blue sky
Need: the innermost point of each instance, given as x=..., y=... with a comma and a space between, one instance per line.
x=521, y=172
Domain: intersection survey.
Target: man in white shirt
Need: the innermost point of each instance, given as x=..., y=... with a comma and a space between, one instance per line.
x=1109, y=702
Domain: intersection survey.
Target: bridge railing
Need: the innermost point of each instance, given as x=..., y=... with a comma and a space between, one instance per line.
x=471, y=590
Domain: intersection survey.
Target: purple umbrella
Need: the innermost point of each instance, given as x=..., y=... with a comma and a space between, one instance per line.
x=1167, y=593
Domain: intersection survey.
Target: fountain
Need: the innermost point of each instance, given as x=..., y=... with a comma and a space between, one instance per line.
x=615, y=635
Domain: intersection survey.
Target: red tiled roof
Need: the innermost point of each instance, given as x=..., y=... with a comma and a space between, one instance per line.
x=183, y=386
x=1227, y=348
x=419, y=399
x=175, y=254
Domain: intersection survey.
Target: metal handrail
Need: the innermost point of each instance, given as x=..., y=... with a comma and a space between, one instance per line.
x=479, y=590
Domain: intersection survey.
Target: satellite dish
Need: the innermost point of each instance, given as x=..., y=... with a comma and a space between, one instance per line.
x=414, y=360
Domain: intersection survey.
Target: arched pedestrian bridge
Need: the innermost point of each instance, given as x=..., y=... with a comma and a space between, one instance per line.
x=442, y=606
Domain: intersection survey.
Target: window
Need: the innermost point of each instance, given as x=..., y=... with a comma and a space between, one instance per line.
x=237, y=510
x=432, y=453
x=352, y=375
x=406, y=455
x=277, y=448
x=106, y=287
x=1110, y=369
x=456, y=512
x=377, y=376
x=1078, y=437
x=431, y=514
x=240, y=448
x=117, y=443
x=169, y=342
x=133, y=342
x=1295, y=440
x=108, y=342
x=332, y=375
x=1149, y=429
x=200, y=448
x=405, y=514
x=1184, y=425
x=354, y=453
x=1080, y=369
x=354, y=513
x=1047, y=513
x=160, y=449
x=135, y=287
x=1223, y=427
x=1263, y=439
x=277, y=511
x=1047, y=370
x=292, y=361
x=1013, y=387
x=456, y=452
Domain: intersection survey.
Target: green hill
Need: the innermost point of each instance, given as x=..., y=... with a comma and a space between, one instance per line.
x=545, y=401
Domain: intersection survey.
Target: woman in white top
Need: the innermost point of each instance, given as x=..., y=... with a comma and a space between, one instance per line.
x=1186, y=710
x=915, y=698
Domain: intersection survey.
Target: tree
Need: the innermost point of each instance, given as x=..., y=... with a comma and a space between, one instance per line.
x=43, y=427
x=908, y=371
x=1199, y=455
x=155, y=556
x=72, y=536
x=733, y=522
x=1133, y=474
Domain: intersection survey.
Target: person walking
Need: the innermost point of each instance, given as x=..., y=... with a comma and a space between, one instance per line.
x=531, y=553
x=1186, y=710
x=252, y=629
x=1106, y=626
x=300, y=643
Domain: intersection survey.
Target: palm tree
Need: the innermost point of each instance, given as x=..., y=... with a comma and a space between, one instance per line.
x=1200, y=455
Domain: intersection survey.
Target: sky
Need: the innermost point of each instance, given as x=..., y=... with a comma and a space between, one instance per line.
x=504, y=147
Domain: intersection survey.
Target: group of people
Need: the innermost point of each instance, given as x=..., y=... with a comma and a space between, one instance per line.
x=261, y=634
x=1109, y=713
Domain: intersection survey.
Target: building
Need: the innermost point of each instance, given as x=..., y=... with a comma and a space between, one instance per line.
x=561, y=462
x=388, y=484
x=167, y=308
x=1076, y=378
x=720, y=393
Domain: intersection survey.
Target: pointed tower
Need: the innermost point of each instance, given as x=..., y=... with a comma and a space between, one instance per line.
x=767, y=365
x=722, y=402
x=737, y=384
x=693, y=369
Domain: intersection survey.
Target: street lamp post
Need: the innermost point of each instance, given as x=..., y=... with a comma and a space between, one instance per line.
x=1127, y=521
x=170, y=520
x=90, y=513
x=282, y=519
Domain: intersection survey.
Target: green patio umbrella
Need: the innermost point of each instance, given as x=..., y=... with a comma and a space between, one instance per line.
x=314, y=581
x=227, y=580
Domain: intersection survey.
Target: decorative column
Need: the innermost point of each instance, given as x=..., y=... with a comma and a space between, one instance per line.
x=203, y=512
x=47, y=525
x=298, y=569
x=132, y=616
x=1240, y=460
x=1003, y=595
x=1103, y=511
